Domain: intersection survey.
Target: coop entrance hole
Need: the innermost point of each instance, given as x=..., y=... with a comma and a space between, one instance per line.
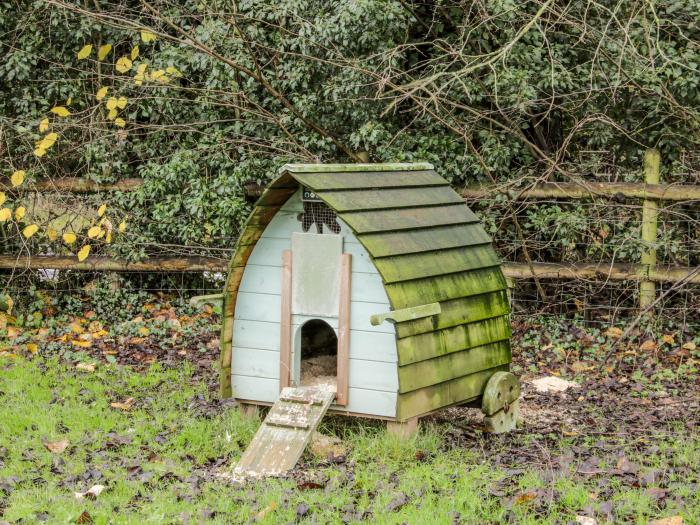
x=319, y=355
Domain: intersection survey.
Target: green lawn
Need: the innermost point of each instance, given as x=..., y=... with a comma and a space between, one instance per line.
x=161, y=461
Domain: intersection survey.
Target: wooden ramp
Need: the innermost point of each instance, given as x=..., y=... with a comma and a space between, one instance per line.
x=281, y=439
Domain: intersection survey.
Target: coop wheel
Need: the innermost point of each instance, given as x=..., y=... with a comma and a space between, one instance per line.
x=501, y=390
x=504, y=420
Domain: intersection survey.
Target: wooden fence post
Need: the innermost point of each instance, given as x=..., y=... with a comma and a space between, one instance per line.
x=650, y=212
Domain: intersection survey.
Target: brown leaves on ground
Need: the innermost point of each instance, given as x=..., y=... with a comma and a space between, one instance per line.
x=123, y=405
x=56, y=446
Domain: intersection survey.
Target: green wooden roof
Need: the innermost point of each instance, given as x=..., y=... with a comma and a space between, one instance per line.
x=428, y=246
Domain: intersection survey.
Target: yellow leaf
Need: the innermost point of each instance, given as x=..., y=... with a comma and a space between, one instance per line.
x=123, y=64
x=69, y=101
x=30, y=230
x=121, y=102
x=85, y=52
x=39, y=152
x=134, y=52
x=94, y=232
x=120, y=122
x=144, y=331
x=101, y=93
x=140, y=74
x=48, y=141
x=108, y=239
x=111, y=103
x=69, y=237
x=61, y=111
x=101, y=210
x=173, y=71
x=80, y=342
x=3, y=198
x=122, y=227
x=32, y=347
x=17, y=177
x=44, y=125
x=147, y=36
x=158, y=75
x=5, y=213
x=104, y=51
x=51, y=234
x=84, y=252
x=19, y=213
x=112, y=114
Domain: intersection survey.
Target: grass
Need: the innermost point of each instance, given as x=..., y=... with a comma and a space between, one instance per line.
x=159, y=462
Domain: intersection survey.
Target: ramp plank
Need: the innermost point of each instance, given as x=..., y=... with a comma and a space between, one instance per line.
x=281, y=439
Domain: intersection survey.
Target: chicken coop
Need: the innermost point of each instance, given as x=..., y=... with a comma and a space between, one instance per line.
x=374, y=283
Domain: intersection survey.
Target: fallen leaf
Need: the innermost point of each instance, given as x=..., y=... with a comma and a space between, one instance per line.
x=81, y=343
x=648, y=346
x=689, y=346
x=586, y=520
x=32, y=347
x=85, y=367
x=56, y=446
x=91, y=493
x=553, y=384
x=669, y=339
x=264, y=512
x=43, y=125
x=125, y=405
x=525, y=497
x=101, y=93
x=614, y=332
x=398, y=501
x=84, y=518
x=673, y=520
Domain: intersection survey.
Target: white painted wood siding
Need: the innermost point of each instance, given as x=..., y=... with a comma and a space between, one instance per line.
x=373, y=377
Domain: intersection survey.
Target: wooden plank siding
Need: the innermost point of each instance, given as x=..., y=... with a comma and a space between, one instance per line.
x=372, y=363
x=462, y=310
x=460, y=390
x=432, y=345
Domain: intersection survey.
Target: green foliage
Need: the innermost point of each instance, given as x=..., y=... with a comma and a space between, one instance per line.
x=508, y=90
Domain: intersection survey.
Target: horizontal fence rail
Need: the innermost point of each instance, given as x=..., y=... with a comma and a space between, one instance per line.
x=513, y=270
x=540, y=190
x=587, y=190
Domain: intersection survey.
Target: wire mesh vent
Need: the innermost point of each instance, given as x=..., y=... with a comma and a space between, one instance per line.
x=317, y=212
x=321, y=215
